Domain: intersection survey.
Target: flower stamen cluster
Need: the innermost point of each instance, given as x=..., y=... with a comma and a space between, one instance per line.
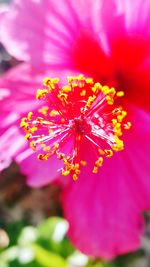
x=81, y=110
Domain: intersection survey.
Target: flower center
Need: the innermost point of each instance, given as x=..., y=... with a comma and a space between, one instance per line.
x=77, y=111
x=80, y=125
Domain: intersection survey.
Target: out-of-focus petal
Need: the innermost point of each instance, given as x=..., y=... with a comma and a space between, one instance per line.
x=38, y=173
x=18, y=87
x=125, y=17
x=11, y=141
x=104, y=209
x=45, y=38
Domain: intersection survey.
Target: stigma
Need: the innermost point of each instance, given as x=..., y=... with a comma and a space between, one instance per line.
x=79, y=110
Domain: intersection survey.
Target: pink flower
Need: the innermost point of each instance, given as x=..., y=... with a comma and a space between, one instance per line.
x=109, y=41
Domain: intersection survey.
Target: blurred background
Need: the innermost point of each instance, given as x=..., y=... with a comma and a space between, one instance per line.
x=32, y=230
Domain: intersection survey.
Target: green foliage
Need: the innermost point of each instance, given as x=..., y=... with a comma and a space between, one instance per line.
x=48, y=259
x=47, y=246
x=42, y=246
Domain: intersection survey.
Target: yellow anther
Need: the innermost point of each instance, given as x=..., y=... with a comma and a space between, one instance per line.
x=83, y=162
x=90, y=101
x=97, y=87
x=119, y=144
x=80, y=77
x=29, y=116
x=109, y=153
x=120, y=94
x=43, y=156
x=114, y=122
x=89, y=81
x=32, y=145
x=66, y=89
x=24, y=122
x=99, y=162
x=50, y=83
x=43, y=110
x=112, y=91
x=62, y=96
x=65, y=172
x=75, y=177
x=55, y=148
x=110, y=100
x=33, y=129
x=122, y=115
x=128, y=125
x=41, y=93
x=46, y=148
x=83, y=93
x=101, y=152
x=54, y=113
x=95, y=169
x=105, y=89
x=117, y=111
x=46, y=81
x=28, y=136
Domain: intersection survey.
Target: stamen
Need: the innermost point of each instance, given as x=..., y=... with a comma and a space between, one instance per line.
x=79, y=110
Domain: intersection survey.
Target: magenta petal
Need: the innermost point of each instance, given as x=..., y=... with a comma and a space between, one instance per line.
x=104, y=210
x=103, y=214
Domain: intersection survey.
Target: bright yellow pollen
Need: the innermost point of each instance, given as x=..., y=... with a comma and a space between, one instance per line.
x=83, y=93
x=90, y=101
x=27, y=136
x=66, y=89
x=119, y=144
x=41, y=93
x=127, y=126
x=120, y=94
x=109, y=153
x=24, y=123
x=50, y=83
x=83, y=163
x=29, y=116
x=75, y=177
x=95, y=169
x=32, y=145
x=43, y=110
x=33, y=129
x=54, y=113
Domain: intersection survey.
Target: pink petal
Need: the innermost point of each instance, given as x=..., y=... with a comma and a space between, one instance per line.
x=53, y=29
x=18, y=87
x=104, y=210
x=11, y=142
x=39, y=173
x=46, y=37
x=125, y=17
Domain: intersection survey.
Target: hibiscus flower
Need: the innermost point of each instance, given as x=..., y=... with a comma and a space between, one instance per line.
x=108, y=41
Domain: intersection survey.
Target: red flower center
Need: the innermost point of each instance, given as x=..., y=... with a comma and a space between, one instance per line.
x=81, y=126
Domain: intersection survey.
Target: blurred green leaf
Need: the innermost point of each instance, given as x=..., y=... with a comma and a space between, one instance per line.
x=14, y=229
x=52, y=236
x=48, y=259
